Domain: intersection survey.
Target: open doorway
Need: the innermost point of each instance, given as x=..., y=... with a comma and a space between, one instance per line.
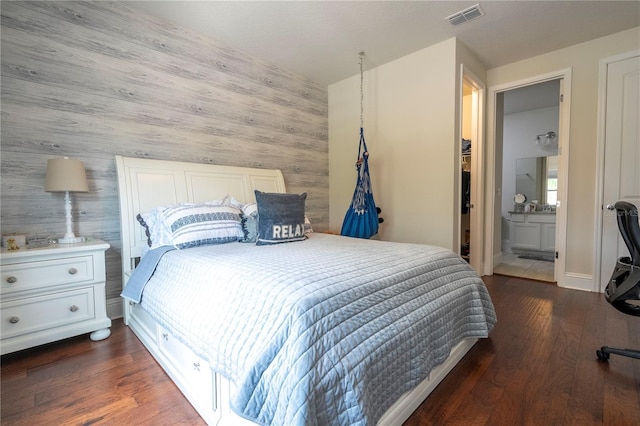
x=529, y=180
x=503, y=198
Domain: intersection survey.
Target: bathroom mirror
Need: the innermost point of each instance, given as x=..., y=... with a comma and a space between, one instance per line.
x=537, y=178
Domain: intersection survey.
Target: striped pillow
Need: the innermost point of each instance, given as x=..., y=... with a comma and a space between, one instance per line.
x=196, y=225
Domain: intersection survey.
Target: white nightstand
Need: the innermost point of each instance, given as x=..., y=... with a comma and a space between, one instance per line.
x=52, y=293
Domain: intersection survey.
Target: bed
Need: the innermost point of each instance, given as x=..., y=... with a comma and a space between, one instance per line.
x=321, y=330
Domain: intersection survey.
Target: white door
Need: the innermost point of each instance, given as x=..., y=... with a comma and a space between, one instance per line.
x=476, y=207
x=621, y=155
x=475, y=240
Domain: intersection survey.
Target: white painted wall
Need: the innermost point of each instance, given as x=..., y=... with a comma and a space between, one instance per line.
x=409, y=122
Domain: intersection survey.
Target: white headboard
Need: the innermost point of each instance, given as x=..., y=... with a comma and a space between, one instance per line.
x=144, y=184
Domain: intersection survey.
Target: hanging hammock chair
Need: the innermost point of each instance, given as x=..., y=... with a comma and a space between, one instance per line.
x=361, y=219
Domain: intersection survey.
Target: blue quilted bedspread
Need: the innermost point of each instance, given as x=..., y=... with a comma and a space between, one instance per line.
x=331, y=330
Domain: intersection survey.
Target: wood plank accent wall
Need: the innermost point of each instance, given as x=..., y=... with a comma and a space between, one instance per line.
x=90, y=80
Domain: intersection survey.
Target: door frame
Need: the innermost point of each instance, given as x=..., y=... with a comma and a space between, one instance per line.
x=563, y=167
x=477, y=166
x=598, y=283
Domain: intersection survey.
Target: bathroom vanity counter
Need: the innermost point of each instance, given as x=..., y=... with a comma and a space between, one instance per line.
x=533, y=231
x=534, y=213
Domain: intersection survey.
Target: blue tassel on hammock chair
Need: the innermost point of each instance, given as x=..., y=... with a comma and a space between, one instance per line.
x=361, y=219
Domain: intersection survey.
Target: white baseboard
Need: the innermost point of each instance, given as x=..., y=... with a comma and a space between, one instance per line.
x=114, y=308
x=576, y=281
x=488, y=267
x=505, y=246
x=497, y=258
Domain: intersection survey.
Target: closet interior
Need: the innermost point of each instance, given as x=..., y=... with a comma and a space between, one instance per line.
x=465, y=202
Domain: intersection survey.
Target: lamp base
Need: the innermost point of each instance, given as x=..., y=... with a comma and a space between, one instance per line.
x=70, y=240
x=69, y=236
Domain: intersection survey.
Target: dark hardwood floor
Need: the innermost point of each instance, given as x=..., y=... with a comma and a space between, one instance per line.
x=538, y=368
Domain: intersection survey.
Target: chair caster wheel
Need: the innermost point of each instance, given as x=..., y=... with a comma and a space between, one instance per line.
x=602, y=356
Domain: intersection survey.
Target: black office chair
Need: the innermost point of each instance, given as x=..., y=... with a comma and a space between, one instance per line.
x=624, y=284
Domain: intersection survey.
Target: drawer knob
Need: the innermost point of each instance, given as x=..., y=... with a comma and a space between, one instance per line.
x=11, y=279
x=73, y=308
x=14, y=320
x=165, y=336
x=196, y=366
x=73, y=271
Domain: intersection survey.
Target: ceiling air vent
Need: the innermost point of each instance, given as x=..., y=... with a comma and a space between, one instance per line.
x=465, y=15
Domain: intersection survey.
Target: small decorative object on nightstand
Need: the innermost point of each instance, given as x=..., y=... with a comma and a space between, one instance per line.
x=51, y=293
x=13, y=241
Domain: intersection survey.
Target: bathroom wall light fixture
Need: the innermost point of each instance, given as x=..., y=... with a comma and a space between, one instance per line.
x=546, y=138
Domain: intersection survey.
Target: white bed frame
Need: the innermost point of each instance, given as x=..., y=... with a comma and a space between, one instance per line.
x=144, y=184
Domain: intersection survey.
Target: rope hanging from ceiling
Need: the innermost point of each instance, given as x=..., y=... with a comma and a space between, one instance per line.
x=361, y=219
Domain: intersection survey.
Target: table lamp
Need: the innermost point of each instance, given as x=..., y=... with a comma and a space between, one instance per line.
x=66, y=175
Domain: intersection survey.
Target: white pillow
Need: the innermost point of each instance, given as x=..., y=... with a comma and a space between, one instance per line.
x=156, y=230
x=157, y=233
x=202, y=224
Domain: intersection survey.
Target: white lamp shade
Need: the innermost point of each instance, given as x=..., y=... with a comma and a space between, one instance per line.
x=65, y=174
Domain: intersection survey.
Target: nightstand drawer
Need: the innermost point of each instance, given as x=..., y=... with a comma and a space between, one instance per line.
x=32, y=275
x=33, y=314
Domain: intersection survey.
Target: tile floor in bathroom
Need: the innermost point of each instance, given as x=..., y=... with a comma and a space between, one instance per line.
x=514, y=266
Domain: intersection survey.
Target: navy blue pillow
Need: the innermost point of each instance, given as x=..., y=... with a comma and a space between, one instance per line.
x=280, y=217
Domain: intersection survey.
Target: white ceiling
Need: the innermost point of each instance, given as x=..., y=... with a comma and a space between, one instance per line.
x=321, y=39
